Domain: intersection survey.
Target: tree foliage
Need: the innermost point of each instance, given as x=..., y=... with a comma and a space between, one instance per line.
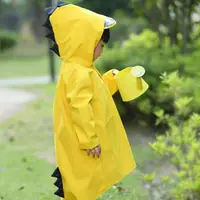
x=107, y=7
x=169, y=18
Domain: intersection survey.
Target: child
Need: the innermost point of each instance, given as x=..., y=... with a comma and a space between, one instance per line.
x=92, y=149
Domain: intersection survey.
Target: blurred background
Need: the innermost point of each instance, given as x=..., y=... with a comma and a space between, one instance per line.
x=163, y=125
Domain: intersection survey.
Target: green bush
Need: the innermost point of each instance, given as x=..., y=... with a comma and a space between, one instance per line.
x=179, y=145
x=192, y=60
x=126, y=25
x=7, y=40
x=144, y=49
x=157, y=57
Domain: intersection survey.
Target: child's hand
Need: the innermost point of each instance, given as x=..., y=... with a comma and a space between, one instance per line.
x=96, y=151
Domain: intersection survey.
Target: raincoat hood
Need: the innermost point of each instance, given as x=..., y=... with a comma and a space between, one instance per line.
x=77, y=32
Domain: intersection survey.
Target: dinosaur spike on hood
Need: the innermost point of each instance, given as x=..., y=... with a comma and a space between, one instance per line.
x=60, y=192
x=51, y=36
x=49, y=10
x=47, y=24
x=60, y=4
x=58, y=183
x=55, y=49
x=56, y=173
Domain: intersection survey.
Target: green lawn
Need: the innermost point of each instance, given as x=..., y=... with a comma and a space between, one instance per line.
x=21, y=67
x=26, y=59
x=27, y=155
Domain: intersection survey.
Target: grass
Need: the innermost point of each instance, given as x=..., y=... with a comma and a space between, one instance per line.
x=23, y=176
x=22, y=67
x=26, y=59
x=27, y=155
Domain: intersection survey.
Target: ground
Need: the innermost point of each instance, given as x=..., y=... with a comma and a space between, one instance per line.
x=26, y=137
x=27, y=153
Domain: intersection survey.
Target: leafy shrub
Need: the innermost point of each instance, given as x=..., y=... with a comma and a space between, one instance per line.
x=7, y=40
x=180, y=145
x=157, y=57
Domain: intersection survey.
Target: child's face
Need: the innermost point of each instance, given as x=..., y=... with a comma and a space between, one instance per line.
x=98, y=50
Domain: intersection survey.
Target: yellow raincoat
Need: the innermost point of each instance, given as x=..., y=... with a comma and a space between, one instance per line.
x=85, y=114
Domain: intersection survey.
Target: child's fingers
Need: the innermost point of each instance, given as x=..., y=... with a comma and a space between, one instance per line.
x=93, y=152
x=98, y=151
x=88, y=152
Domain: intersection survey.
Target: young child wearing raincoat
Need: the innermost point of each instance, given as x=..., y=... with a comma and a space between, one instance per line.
x=91, y=145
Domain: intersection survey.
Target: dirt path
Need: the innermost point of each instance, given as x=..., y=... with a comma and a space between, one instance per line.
x=12, y=101
x=21, y=81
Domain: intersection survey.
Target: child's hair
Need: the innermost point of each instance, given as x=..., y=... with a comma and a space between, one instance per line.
x=106, y=35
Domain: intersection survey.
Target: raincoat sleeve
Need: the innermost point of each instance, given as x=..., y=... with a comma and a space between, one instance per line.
x=79, y=97
x=110, y=81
